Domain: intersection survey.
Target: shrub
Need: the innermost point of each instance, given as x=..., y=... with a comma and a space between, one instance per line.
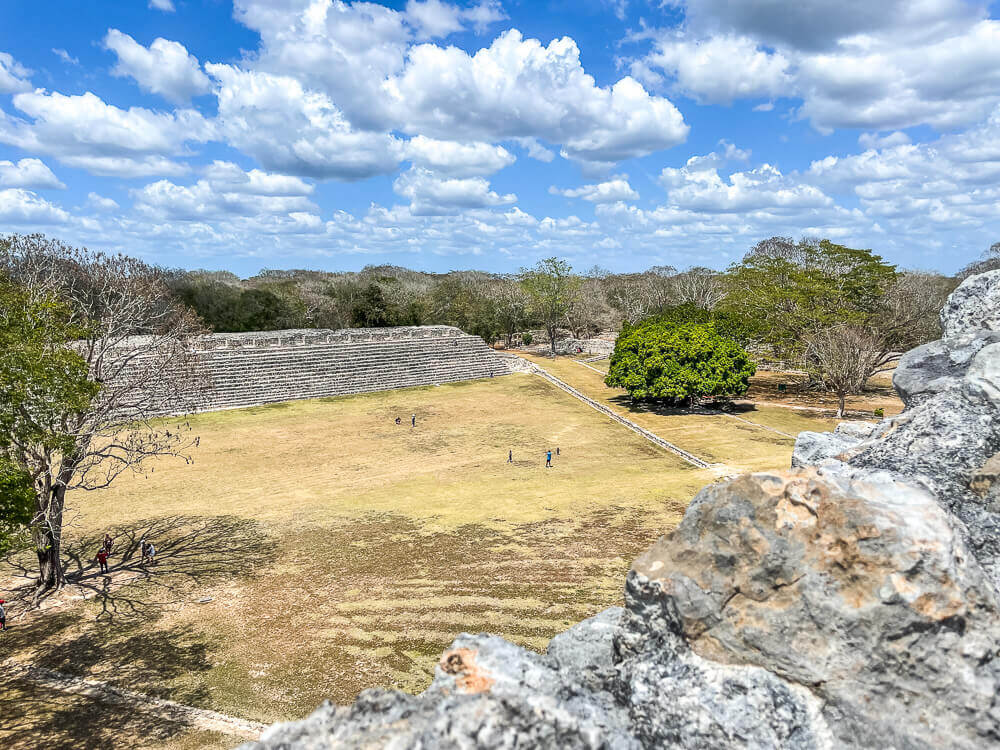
x=526, y=339
x=657, y=360
x=879, y=413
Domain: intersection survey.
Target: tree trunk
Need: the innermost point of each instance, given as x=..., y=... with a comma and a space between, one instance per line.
x=841, y=399
x=552, y=338
x=47, y=535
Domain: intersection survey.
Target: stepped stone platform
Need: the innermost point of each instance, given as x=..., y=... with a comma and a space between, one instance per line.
x=252, y=369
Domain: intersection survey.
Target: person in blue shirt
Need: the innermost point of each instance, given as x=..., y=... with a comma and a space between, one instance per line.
x=548, y=459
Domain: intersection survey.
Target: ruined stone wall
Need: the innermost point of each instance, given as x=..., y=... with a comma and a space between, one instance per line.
x=251, y=369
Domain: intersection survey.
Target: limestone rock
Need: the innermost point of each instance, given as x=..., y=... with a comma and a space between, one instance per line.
x=985, y=483
x=858, y=586
x=857, y=430
x=585, y=652
x=678, y=699
x=935, y=367
x=815, y=448
x=487, y=693
x=975, y=305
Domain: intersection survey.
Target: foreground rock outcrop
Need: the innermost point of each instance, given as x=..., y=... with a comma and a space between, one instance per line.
x=849, y=602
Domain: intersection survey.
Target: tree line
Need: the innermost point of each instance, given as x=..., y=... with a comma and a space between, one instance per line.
x=553, y=296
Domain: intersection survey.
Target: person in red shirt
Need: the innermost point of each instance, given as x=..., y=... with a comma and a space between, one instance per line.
x=102, y=558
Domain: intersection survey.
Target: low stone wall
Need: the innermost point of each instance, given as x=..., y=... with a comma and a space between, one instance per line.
x=586, y=346
x=252, y=369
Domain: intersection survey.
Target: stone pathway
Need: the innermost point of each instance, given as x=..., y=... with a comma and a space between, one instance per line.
x=584, y=363
x=198, y=718
x=653, y=438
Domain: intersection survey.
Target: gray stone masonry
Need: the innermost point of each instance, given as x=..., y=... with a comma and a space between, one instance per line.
x=252, y=369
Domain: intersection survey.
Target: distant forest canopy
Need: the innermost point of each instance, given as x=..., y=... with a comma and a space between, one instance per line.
x=496, y=306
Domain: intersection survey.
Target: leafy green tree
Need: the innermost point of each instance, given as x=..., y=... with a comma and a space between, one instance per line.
x=725, y=322
x=816, y=303
x=95, y=351
x=41, y=380
x=659, y=360
x=370, y=309
x=17, y=504
x=552, y=288
x=785, y=296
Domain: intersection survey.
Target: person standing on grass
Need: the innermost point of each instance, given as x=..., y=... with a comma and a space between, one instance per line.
x=151, y=553
x=413, y=420
x=102, y=559
x=510, y=457
x=3, y=616
x=548, y=460
x=142, y=551
x=108, y=543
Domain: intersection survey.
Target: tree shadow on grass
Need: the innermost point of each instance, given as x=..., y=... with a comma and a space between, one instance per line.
x=118, y=636
x=136, y=655
x=191, y=551
x=651, y=407
x=35, y=715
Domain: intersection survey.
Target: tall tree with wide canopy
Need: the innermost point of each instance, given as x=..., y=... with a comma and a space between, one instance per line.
x=678, y=362
x=816, y=302
x=552, y=287
x=95, y=352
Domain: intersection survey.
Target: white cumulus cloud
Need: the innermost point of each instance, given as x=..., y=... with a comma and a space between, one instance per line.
x=432, y=195
x=226, y=193
x=83, y=131
x=101, y=203
x=615, y=189
x=28, y=173
x=698, y=186
x=13, y=75
x=457, y=159
x=290, y=129
x=165, y=67
x=857, y=64
x=518, y=88
x=23, y=207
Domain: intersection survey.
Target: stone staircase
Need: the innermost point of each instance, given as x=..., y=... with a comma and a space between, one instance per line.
x=255, y=369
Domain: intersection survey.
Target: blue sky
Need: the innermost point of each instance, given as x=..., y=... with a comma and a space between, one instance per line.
x=489, y=134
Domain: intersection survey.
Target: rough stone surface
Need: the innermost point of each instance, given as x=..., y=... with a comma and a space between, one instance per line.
x=813, y=448
x=938, y=366
x=487, y=693
x=974, y=306
x=585, y=652
x=855, y=583
x=266, y=367
x=851, y=602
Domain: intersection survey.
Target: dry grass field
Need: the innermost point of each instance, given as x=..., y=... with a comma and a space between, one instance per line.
x=761, y=438
x=316, y=548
